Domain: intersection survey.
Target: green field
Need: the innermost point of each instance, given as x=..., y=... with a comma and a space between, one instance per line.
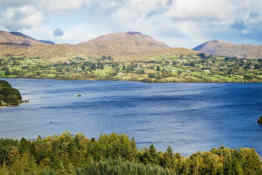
x=190, y=68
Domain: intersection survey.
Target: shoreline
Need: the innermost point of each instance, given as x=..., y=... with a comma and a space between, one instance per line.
x=141, y=81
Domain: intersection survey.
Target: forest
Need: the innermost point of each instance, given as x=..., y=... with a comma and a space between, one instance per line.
x=9, y=96
x=189, y=68
x=117, y=154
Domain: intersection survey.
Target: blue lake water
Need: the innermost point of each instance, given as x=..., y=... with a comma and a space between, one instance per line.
x=188, y=116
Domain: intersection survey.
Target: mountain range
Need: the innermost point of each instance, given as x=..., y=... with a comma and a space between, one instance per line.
x=120, y=46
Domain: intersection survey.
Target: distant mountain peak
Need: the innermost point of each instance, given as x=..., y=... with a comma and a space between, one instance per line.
x=134, y=33
x=217, y=41
x=224, y=48
x=22, y=35
x=47, y=42
x=20, y=39
x=127, y=44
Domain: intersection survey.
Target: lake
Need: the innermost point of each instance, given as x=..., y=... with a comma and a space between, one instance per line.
x=189, y=117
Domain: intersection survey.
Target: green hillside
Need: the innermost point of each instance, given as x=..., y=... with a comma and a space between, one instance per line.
x=165, y=68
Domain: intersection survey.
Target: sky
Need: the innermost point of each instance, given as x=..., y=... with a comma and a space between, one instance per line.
x=179, y=23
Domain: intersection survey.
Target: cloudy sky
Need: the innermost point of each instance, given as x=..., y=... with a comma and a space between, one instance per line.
x=180, y=23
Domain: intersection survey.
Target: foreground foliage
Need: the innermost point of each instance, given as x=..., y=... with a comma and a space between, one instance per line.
x=117, y=155
x=8, y=95
x=259, y=121
x=190, y=68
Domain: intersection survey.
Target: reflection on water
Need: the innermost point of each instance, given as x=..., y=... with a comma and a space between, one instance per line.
x=188, y=116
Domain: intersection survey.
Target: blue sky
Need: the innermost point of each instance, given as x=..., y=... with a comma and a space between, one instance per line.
x=179, y=23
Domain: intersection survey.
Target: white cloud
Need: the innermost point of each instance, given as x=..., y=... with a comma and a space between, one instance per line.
x=60, y=5
x=40, y=32
x=21, y=17
x=201, y=9
x=169, y=20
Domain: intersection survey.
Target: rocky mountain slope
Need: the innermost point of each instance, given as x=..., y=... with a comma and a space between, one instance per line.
x=222, y=48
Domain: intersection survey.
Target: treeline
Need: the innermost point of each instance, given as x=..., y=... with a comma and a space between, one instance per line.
x=8, y=95
x=117, y=155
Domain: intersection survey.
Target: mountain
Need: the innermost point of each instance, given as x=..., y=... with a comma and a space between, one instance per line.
x=120, y=46
x=28, y=37
x=223, y=48
x=47, y=42
x=19, y=44
x=22, y=35
x=19, y=39
x=129, y=44
x=16, y=39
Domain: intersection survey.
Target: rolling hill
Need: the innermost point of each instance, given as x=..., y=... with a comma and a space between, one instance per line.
x=130, y=43
x=127, y=46
x=17, y=39
x=120, y=46
x=20, y=39
x=222, y=48
x=19, y=44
